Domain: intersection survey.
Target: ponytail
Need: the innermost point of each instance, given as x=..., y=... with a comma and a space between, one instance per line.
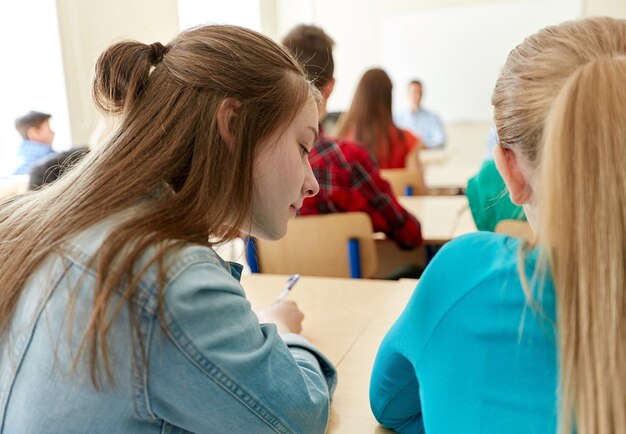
x=583, y=231
x=122, y=73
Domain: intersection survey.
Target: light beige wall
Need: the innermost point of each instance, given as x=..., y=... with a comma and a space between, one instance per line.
x=467, y=143
x=87, y=28
x=612, y=8
x=400, y=5
x=355, y=27
x=269, y=15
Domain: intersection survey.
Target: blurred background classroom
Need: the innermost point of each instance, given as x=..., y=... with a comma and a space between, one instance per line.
x=455, y=47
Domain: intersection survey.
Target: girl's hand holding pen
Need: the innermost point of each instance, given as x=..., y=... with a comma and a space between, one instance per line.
x=285, y=314
x=291, y=282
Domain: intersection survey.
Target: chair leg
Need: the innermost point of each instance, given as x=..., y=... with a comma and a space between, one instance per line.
x=354, y=254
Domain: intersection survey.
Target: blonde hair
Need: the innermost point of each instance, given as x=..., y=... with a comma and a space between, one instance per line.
x=561, y=103
x=166, y=98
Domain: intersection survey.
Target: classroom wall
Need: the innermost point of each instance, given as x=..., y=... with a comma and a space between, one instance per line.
x=612, y=8
x=31, y=76
x=87, y=28
x=358, y=27
x=365, y=32
x=355, y=25
x=456, y=46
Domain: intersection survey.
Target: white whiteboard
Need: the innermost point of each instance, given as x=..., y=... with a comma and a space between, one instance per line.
x=458, y=51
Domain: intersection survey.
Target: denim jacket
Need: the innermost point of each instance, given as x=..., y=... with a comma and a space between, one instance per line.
x=209, y=366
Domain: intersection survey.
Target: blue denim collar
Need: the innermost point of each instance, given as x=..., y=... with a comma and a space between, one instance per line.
x=235, y=269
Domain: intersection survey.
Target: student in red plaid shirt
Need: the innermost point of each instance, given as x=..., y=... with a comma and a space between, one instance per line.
x=348, y=177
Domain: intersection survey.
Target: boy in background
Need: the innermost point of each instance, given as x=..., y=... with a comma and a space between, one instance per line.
x=34, y=127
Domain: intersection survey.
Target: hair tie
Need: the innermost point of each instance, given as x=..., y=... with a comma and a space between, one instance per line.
x=157, y=51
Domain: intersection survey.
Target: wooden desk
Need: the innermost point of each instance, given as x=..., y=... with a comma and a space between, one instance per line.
x=435, y=156
x=346, y=319
x=441, y=217
x=452, y=178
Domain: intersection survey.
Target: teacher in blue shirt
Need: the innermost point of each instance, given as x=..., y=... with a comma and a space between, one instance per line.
x=505, y=337
x=420, y=121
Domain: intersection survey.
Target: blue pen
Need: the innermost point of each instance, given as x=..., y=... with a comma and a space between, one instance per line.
x=290, y=284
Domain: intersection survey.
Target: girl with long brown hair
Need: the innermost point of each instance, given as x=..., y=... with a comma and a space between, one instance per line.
x=501, y=336
x=369, y=121
x=116, y=315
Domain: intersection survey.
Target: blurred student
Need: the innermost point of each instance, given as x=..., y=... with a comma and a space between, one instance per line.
x=37, y=137
x=348, y=177
x=425, y=124
x=112, y=296
x=369, y=122
x=489, y=199
x=50, y=168
x=501, y=336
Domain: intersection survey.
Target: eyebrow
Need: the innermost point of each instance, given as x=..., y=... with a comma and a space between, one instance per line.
x=315, y=132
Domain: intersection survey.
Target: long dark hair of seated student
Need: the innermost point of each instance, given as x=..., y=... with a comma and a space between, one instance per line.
x=369, y=121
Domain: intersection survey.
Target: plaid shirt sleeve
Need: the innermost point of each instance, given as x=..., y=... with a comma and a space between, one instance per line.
x=350, y=181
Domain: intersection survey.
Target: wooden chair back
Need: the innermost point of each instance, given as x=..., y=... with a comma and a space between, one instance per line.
x=319, y=246
x=515, y=228
x=405, y=182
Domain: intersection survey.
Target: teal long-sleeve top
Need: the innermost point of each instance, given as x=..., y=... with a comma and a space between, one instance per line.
x=489, y=199
x=469, y=354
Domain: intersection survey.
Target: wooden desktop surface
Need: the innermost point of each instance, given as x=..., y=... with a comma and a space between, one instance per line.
x=449, y=176
x=346, y=319
x=441, y=217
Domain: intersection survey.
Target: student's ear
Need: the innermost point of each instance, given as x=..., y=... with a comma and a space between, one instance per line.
x=511, y=170
x=32, y=133
x=327, y=89
x=226, y=114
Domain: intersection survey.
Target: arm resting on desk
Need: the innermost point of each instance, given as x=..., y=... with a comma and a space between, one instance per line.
x=395, y=385
x=214, y=367
x=374, y=195
x=394, y=390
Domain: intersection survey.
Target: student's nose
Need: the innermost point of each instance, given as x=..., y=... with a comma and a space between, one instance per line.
x=310, y=187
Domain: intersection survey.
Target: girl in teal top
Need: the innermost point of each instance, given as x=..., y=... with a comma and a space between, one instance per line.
x=467, y=355
x=501, y=337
